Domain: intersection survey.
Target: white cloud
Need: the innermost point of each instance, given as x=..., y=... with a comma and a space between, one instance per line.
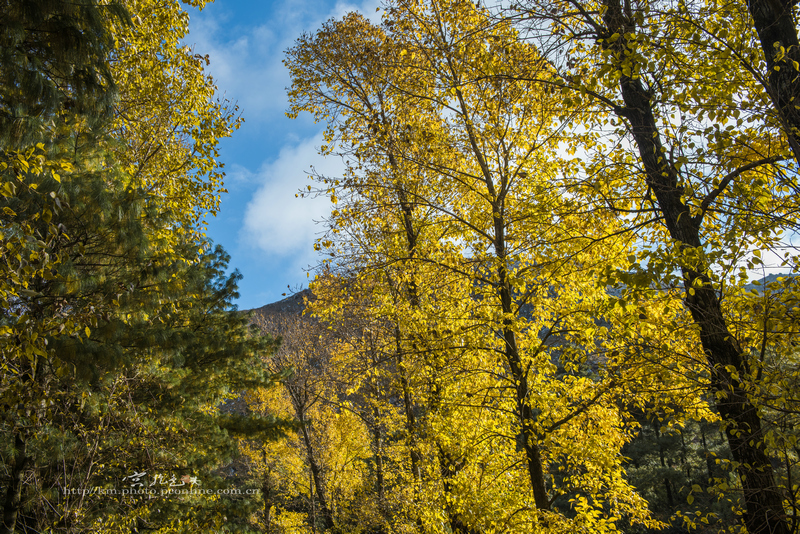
x=276, y=221
x=247, y=66
x=247, y=69
x=276, y=229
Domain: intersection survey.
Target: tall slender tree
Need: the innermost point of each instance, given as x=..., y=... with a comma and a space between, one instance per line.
x=449, y=189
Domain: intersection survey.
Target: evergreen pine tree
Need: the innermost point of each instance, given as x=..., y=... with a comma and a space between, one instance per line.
x=55, y=93
x=53, y=61
x=674, y=466
x=157, y=413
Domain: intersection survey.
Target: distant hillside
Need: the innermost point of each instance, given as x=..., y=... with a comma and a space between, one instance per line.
x=771, y=278
x=292, y=304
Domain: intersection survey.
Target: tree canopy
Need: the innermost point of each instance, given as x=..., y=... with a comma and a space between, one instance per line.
x=545, y=302
x=548, y=239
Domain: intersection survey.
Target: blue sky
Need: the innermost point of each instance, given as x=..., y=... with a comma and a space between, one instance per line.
x=267, y=231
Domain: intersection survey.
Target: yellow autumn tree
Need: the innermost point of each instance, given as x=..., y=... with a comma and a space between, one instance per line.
x=482, y=270
x=317, y=474
x=169, y=118
x=694, y=143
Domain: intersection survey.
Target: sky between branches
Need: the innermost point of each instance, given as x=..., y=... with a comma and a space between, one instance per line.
x=268, y=232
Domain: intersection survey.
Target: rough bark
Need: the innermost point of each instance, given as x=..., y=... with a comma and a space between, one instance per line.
x=764, y=508
x=13, y=498
x=449, y=468
x=316, y=476
x=775, y=25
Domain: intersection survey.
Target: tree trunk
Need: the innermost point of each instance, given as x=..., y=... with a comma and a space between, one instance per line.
x=378, y=440
x=764, y=507
x=408, y=408
x=266, y=491
x=662, y=458
x=316, y=478
x=709, y=458
x=530, y=440
x=14, y=489
x=775, y=26
x=449, y=468
x=413, y=297
x=377, y=436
